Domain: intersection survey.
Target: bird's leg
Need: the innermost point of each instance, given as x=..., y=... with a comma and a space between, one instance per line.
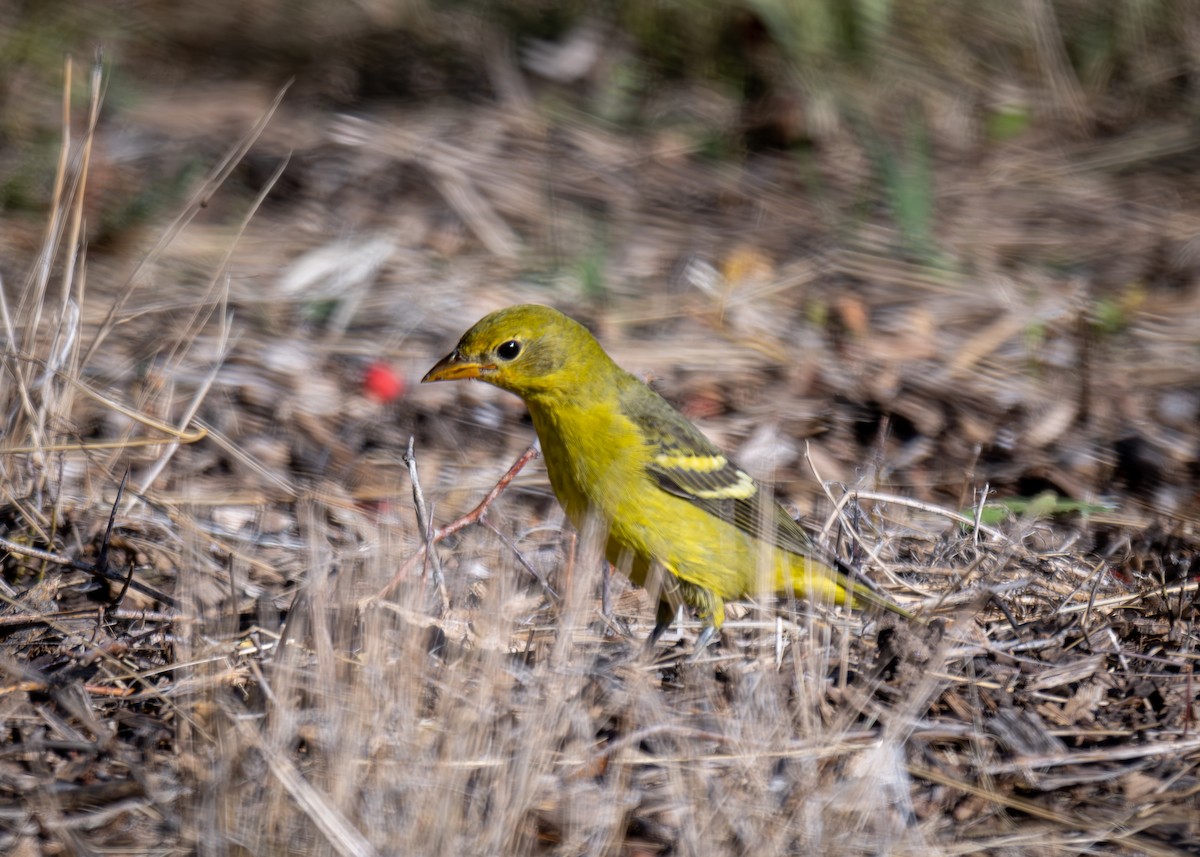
x=662, y=621
x=706, y=636
x=665, y=586
x=712, y=612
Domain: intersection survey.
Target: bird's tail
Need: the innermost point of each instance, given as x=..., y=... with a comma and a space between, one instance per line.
x=833, y=581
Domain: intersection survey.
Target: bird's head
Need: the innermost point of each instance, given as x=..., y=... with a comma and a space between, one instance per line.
x=529, y=350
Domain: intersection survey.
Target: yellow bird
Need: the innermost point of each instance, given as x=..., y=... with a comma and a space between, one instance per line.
x=618, y=455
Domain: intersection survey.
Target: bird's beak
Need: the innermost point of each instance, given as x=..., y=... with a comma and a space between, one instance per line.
x=453, y=367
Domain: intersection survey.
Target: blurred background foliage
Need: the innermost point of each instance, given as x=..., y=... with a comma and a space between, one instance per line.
x=1007, y=143
x=963, y=73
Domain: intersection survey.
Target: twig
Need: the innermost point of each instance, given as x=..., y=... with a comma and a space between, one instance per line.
x=423, y=523
x=1142, y=844
x=49, y=556
x=102, y=560
x=541, y=578
x=340, y=832
x=898, y=500
x=472, y=517
x=46, y=686
x=174, y=435
x=1003, y=608
x=983, y=495
x=856, y=540
x=1120, y=600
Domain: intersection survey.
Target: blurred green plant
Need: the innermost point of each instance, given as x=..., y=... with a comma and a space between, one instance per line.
x=842, y=52
x=813, y=32
x=592, y=265
x=25, y=182
x=1047, y=504
x=1008, y=121
x=1108, y=316
x=1111, y=314
x=908, y=180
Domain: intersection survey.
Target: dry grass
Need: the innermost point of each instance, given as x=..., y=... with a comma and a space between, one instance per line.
x=254, y=694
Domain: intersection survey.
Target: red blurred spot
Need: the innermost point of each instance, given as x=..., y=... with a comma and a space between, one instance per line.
x=381, y=383
x=1123, y=575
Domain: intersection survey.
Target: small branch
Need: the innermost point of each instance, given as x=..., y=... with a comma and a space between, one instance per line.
x=173, y=435
x=102, y=558
x=472, y=517
x=423, y=522
x=56, y=559
x=46, y=687
x=479, y=511
x=898, y=500
x=541, y=578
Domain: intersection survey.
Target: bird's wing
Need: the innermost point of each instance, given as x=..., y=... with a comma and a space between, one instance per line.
x=687, y=464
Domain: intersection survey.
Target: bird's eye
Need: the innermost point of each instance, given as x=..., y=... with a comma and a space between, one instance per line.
x=508, y=350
